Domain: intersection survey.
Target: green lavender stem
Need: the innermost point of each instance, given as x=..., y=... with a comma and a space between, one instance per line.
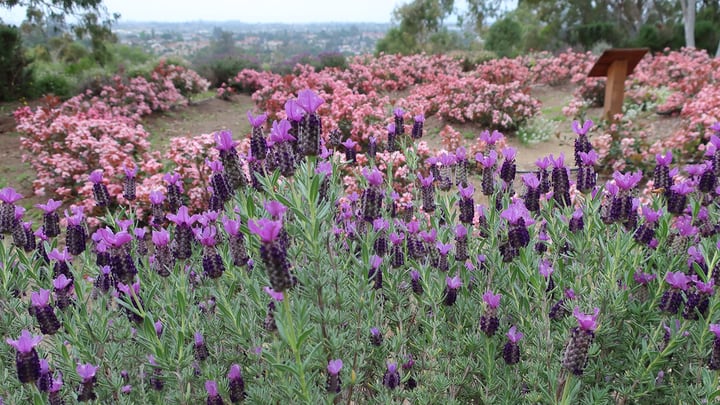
x=292, y=340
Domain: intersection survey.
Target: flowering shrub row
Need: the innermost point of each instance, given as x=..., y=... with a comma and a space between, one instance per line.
x=495, y=95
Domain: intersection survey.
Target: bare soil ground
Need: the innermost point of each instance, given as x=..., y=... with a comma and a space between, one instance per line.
x=210, y=115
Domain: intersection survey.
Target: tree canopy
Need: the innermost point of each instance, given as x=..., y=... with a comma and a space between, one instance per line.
x=90, y=20
x=552, y=24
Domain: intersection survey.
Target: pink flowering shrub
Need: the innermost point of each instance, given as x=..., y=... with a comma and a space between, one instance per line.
x=623, y=146
x=504, y=71
x=64, y=149
x=65, y=142
x=698, y=115
x=555, y=70
x=450, y=137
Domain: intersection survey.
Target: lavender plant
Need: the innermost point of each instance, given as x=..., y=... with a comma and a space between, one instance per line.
x=304, y=294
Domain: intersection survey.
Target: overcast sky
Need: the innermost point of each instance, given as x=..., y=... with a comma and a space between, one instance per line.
x=284, y=11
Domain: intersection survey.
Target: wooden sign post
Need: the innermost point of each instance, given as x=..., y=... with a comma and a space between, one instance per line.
x=616, y=65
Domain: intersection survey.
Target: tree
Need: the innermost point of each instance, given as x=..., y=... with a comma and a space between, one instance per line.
x=689, y=10
x=504, y=37
x=14, y=71
x=93, y=20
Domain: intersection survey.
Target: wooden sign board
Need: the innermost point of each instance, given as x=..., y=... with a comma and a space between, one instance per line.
x=616, y=65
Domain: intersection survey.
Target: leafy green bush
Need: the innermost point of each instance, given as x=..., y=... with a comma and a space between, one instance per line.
x=57, y=84
x=504, y=37
x=707, y=35
x=650, y=36
x=332, y=60
x=470, y=60
x=220, y=71
x=14, y=70
x=589, y=34
x=536, y=129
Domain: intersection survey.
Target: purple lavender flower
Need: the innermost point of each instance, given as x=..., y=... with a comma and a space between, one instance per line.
x=375, y=273
x=582, y=145
x=350, y=152
x=491, y=138
x=698, y=299
x=518, y=218
x=273, y=252
x=428, y=192
x=560, y=181
x=258, y=143
x=100, y=191
x=576, y=351
x=212, y=263
x=542, y=174
x=488, y=171
x=130, y=183
x=391, y=138
x=451, y=289
x=224, y=141
x=213, y=396
x=677, y=200
x=672, y=299
x=511, y=350
x=397, y=252
x=372, y=196
x=200, y=348
x=174, y=190
x=294, y=111
x=461, y=243
x=508, y=169
x=645, y=233
x=237, y=384
x=51, y=220
x=466, y=203
x=576, y=221
x=714, y=361
x=489, y=321
x=376, y=337
x=415, y=282
x=183, y=231
x=586, y=176
x=447, y=161
x=27, y=362
x=62, y=260
x=391, y=379
x=236, y=240
x=63, y=287
x=532, y=192
x=461, y=166
x=417, y=129
x=399, y=114
x=311, y=125
x=333, y=381
x=87, y=374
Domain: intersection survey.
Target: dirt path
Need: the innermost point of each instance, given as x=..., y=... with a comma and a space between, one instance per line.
x=202, y=117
